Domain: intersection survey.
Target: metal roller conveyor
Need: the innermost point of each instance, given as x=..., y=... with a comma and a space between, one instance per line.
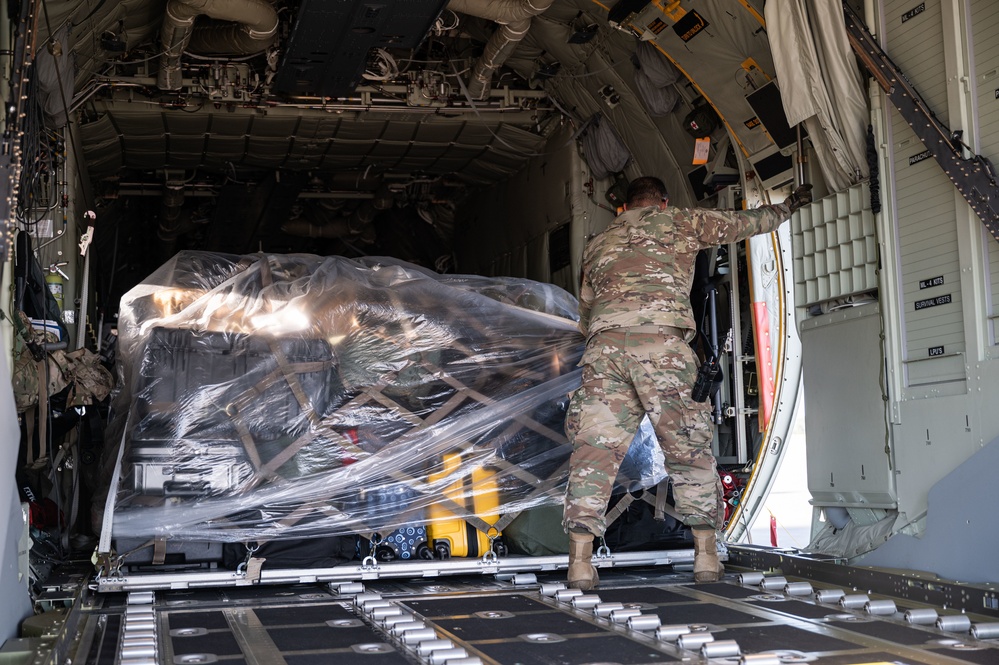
x=566, y=595
x=985, y=631
x=139, y=633
x=922, y=616
x=853, y=601
x=954, y=623
x=672, y=633
x=798, y=589
x=400, y=628
x=390, y=621
x=140, y=598
x=773, y=583
x=694, y=641
x=430, y=623
x=829, y=596
x=721, y=649
x=585, y=601
x=139, y=652
x=425, y=648
x=416, y=635
x=644, y=622
x=880, y=607
x=379, y=613
x=622, y=615
x=605, y=609
x=373, y=605
x=360, y=598
x=442, y=656
x=550, y=588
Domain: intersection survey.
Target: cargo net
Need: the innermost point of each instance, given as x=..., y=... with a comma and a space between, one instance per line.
x=269, y=397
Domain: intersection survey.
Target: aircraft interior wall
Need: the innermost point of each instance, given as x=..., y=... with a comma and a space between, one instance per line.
x=930, y=265
x=940, y=349
x=535, y=224
x=13, y=528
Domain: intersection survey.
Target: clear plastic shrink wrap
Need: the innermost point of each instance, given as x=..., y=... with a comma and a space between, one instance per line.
x=285, y=396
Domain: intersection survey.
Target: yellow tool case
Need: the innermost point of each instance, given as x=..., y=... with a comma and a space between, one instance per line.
x=463, y=524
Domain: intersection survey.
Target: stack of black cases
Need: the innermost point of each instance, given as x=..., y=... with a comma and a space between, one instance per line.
x=254, y=383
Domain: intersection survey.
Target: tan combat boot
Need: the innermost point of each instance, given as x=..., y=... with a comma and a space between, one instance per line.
x=707, y=567
x=582, y=573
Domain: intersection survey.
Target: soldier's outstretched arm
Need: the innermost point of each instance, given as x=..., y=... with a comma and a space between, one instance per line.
x=718, y=227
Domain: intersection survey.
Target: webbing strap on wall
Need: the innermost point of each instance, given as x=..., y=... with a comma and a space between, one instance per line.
x=974, y=177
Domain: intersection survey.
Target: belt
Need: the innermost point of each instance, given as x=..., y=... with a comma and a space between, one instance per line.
x=685, y=334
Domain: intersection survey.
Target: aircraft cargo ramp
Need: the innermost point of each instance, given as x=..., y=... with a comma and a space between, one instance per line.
x=636, y=616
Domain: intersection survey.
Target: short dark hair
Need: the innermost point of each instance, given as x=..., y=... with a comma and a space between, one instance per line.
x=646, y=191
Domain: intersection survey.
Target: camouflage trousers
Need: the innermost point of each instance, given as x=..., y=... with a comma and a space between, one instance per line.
x=627, y=374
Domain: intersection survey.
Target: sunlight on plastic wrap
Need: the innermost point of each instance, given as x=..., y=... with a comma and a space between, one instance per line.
x=271, y=396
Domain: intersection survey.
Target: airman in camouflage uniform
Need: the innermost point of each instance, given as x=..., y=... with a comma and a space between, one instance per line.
x=635, y=312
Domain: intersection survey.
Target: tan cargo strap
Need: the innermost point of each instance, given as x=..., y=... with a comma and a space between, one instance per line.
x=159, y=550
x=507, y=518
x=288, y=372
x=686, y=334
x=666, y=508
x=619, y=508
x=655, y=499
x=660, y=505
x=485, y=527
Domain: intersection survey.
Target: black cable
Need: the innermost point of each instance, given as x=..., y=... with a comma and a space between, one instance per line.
x=88, y=16
x=34, y=155
x=704, y=335
x=183, y=109
x=872, y=164
x=69, y=124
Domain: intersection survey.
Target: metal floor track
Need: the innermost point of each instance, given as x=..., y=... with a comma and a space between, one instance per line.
x=637, y=616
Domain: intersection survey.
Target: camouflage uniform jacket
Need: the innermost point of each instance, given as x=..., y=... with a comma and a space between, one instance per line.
x=638, y=272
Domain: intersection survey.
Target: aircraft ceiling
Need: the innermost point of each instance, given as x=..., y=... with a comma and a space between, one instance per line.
x=240, y=156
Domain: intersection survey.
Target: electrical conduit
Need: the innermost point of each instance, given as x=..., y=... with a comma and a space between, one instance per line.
x=514, y=18
x=255, y=26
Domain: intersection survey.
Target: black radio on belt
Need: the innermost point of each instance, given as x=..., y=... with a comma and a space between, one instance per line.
x=707, y=374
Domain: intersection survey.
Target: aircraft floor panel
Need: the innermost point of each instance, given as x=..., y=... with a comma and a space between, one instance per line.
x=490, y=621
